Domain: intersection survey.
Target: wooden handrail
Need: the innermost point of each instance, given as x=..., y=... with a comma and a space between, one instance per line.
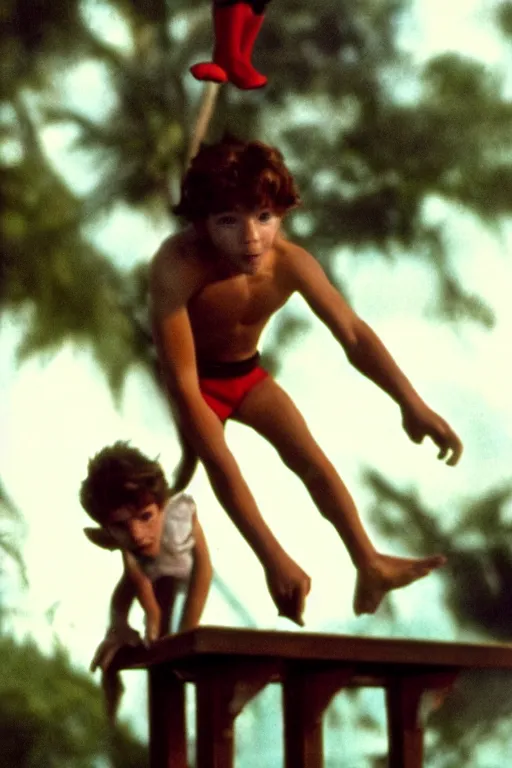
x=230, y=666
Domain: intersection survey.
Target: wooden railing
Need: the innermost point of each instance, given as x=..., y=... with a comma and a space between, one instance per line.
x=230, y=666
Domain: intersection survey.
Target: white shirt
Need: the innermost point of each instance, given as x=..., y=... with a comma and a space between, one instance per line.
x=176, y=555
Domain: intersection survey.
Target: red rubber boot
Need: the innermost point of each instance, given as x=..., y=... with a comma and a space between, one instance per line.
x=230, y=24
x=212, y=70
x=251, y=29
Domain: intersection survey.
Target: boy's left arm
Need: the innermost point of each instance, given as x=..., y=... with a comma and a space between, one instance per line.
x=368, y=354
x=200, y=580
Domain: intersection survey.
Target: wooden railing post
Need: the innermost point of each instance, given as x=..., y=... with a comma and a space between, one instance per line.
x=214, y=731
x=167, y=726
x=306, y=695
x=404, y=699
x=405, y=733
x=222, y=691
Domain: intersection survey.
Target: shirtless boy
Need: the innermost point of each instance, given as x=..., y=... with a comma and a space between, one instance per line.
x=163, y=548
x=214, y=286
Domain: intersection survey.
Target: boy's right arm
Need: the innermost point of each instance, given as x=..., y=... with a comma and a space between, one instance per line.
x=119, y=632
x=132, y=584
x=287, y=582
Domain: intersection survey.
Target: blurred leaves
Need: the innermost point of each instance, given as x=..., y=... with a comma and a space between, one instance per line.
x=34, y=34
x=52, y=716
x=68, y=289
x=11, y=528
x=475, y=538
x=504, y=17
x=475, y=712
x=140, y=146
x=369, y=136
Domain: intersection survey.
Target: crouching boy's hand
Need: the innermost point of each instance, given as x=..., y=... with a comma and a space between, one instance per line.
x=116, y=638
x=153, y=621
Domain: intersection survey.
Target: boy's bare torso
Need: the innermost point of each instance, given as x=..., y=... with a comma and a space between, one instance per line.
x=227, y=312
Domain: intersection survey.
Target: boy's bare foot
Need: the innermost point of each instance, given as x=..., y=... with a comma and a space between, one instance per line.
x=386, y=573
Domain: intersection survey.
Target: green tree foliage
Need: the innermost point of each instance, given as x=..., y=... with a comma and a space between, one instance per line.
x=477, y=578
x=11, y=532
x=65, y=286
x=476, y=541
x=370, y=138
x=51, y=716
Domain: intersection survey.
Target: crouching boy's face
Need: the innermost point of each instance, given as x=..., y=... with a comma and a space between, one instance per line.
x=137, y=529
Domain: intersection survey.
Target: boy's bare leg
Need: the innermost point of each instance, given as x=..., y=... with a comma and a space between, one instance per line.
x=113, y=690
x=272, y=413
x=165, y=592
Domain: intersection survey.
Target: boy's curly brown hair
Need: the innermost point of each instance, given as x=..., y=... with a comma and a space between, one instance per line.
x=120, y=476
x=236, y=174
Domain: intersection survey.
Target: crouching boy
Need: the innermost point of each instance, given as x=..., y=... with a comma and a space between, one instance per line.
x=163, y=548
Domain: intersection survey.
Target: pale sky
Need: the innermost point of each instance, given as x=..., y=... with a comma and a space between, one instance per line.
x=55, y=415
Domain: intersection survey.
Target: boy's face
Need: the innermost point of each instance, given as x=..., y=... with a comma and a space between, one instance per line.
x=243, y=237
x=138, y=529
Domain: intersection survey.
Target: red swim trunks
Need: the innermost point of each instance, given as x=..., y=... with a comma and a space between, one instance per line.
x=224, y=385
